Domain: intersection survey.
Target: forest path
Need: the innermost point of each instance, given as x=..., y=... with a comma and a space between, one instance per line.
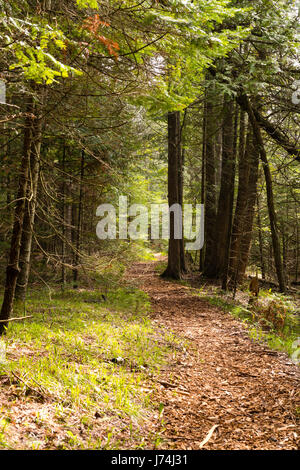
x=241, y=391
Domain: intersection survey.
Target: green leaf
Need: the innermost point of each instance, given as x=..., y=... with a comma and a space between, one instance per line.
x=87, y=4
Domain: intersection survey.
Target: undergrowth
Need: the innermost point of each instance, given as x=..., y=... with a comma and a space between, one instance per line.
x=272, y=318
x=74, y=374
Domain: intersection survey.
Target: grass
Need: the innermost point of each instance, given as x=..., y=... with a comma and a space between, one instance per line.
x=160, y=266
x=76, y=375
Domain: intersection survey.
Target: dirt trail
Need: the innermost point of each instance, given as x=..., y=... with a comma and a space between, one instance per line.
x=241, y=391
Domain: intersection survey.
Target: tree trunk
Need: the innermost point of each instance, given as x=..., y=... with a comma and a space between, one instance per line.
x=63, y=217
x=13, y=269
x=79, y=218
x=210, y=181
x=241, y=203
x=30, y=208
x=260, y=239
x=244, y=100
x=173, y=269
x=246, y=238
x=180, y=152
x=225, y=203
x=201, y=260
x=229, y=234
x=246, y=198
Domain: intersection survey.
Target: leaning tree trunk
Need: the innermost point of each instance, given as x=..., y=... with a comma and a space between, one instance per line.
x=13, y=269
x=273, y=223
x=245, y=103
x=30, y=209
x=173, y=269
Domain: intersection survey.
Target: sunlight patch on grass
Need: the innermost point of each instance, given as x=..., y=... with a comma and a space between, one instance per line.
x=87, y=357
x=261, y=328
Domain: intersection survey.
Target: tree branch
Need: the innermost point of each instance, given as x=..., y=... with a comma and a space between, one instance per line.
x=277, y=134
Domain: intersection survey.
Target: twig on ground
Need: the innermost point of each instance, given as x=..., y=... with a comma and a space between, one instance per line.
x=40, y=392
x=210, y=433
x=164, y=383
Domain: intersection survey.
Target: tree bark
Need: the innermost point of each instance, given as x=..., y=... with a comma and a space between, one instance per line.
x=13, y=269
x=260, y=239
x=246, y=238
x=173, y=269
x=79, y=218
x=229, y=233
x=210, y=182
x=245, y=103
x=245, y=206
x=225, y=202
x=30, y=209
x=180, y=151
x=63, y=216
x=241, y=202
x=201, y=257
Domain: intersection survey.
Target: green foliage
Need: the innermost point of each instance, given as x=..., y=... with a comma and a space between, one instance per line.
x=38, y=55
x=87, y=3
x=274, y=321
x=276, y=312
x=192, y=45
x=160, y=267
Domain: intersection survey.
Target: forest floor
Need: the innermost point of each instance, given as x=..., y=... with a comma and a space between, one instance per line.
x=225, y=391
x=153, y=366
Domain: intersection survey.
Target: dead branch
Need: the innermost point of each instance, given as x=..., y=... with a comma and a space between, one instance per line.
x=16, y=318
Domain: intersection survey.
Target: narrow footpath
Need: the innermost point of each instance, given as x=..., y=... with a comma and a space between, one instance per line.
x=225, y=391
